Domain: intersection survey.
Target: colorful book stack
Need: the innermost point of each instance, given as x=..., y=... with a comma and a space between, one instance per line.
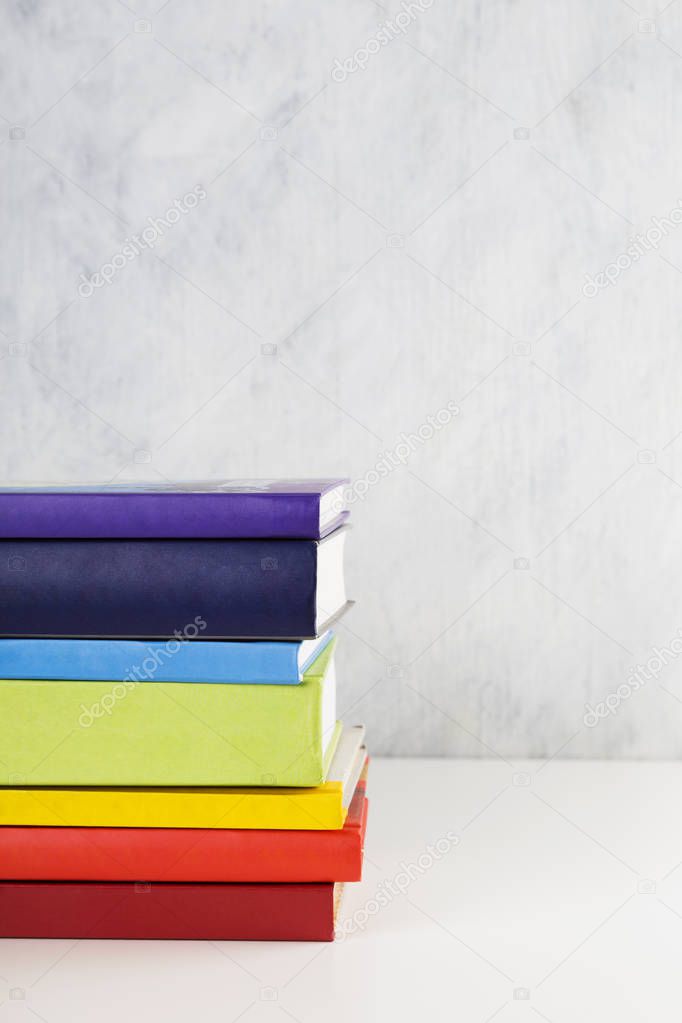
x=171, y=765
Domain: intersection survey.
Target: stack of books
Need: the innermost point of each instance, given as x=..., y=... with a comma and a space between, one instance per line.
x=171, y=764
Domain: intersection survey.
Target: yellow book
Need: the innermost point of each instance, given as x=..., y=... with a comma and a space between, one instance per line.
x=299, y=809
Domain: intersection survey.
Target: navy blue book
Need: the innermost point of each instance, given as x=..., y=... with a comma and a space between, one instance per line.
x=130, y=589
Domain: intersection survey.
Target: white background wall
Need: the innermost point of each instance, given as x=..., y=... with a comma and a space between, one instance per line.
x=415, y=234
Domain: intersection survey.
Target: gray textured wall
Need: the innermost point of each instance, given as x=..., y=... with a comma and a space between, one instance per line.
x=408, y=234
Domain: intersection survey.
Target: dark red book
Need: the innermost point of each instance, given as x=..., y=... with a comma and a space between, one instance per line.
x=210, y=912
x=186, y=854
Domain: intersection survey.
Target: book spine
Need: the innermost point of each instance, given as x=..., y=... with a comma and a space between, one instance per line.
x=120, y=734
x=103, y=660
x=177, y=854
x=215, y=912
x=151, y=515
x=172, y=808
x=233, y=589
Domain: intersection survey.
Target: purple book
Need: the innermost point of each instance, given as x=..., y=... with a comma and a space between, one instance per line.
x=220, y=509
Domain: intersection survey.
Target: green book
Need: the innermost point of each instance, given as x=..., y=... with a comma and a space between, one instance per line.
x=155, y=733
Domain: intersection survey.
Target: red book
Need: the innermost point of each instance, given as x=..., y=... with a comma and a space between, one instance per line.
x=210, y=912
x=186, y=854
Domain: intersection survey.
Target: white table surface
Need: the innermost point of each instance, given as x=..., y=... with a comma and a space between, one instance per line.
x=560, y=898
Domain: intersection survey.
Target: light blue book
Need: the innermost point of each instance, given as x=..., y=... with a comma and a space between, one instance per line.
x=174, y=660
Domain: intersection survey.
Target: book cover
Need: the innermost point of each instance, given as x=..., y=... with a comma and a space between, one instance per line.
x=155, y=733
x=234, y=589
x=186, y=854
x=210, y=912
x=321, y=808
x=212, y=661
x=221, y=509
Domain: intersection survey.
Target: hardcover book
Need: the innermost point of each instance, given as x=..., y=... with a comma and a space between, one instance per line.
x=221, y=509
x=155, y=733
x=186, y=854
x=212, y=661
x=321, y=808
x=128, y=589
x=209, y=912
